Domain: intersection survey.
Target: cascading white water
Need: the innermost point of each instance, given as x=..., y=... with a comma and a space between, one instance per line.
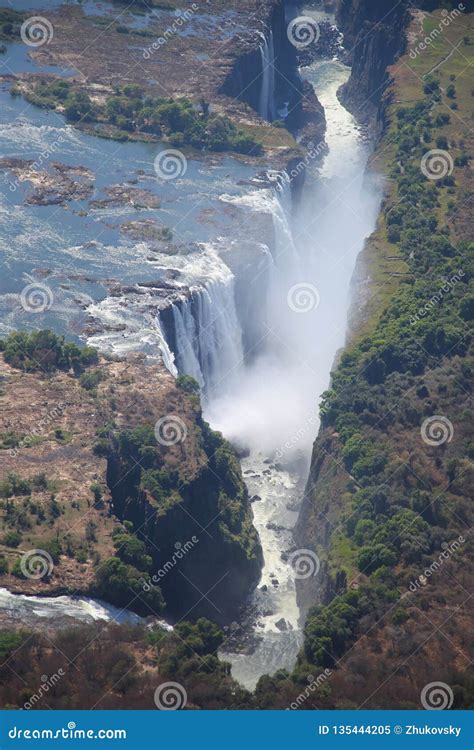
x=273, y=410
x=207, y=335
x=267, y=92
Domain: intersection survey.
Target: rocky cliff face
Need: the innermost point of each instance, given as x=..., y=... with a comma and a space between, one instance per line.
x=374, y=35
x=199, y=533
x=290, y=93
x=67, y=480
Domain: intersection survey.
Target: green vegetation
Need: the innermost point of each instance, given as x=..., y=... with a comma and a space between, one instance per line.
x=402, y=502
x=122, y=584
x=10, y=23
x=45, y=351
x=130, y=111
x=91, y=379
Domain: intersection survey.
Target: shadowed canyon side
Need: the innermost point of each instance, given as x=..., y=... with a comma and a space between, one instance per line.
x=235, y=354
x=386, y=505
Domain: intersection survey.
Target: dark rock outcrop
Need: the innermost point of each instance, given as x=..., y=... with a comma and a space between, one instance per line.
x=374, y=36
x=305, y=115
x=206, y=553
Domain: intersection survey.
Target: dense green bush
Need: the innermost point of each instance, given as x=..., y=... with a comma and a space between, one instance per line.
x=122, y=584
x=45, y=351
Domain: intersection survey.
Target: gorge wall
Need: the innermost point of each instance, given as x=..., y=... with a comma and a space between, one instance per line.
x=265, y=75
x=374, y=35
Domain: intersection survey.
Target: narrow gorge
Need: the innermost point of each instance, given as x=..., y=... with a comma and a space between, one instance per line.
x=213, y=235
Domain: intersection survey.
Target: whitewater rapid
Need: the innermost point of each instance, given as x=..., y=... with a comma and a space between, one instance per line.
x=26, y=609
x=273, y=411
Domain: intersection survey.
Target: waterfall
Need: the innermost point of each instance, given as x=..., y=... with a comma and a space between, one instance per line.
x=267, y=91
x=207, y=335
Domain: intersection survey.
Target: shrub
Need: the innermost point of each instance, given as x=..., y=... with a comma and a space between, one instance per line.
x=11, y=539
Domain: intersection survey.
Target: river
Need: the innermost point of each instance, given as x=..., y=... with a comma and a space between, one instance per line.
x=276, y=407
x=267, y=403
